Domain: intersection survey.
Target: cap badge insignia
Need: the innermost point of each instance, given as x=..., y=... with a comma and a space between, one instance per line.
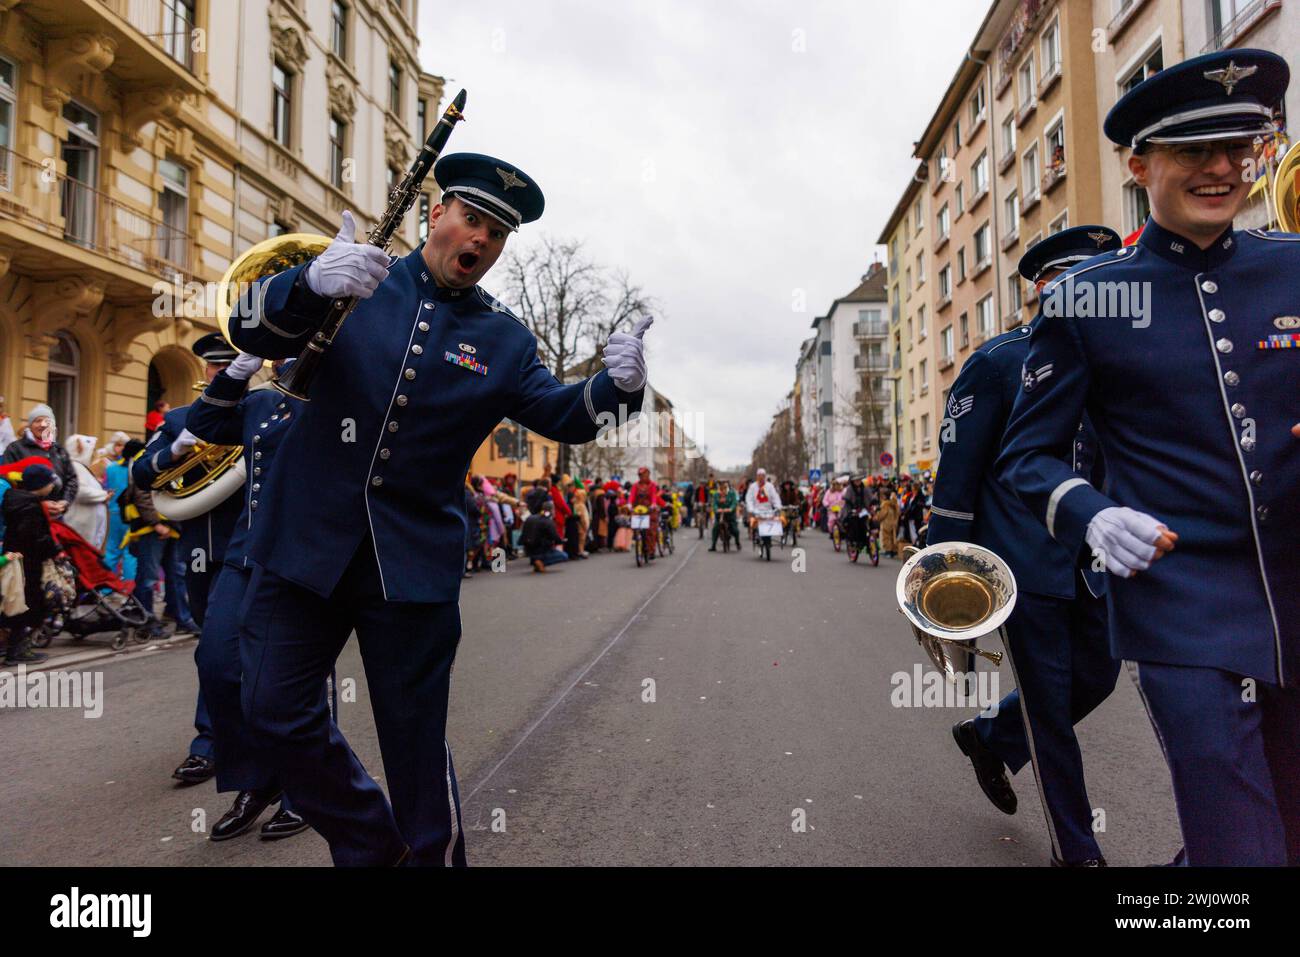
x=1230, y=75
x=509, y=179
x=1099, y=238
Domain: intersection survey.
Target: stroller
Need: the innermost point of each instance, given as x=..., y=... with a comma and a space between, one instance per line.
x=102, y=602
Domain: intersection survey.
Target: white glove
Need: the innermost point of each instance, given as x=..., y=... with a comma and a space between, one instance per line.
x=347, y=268
x=244, y=367
x=624, y=357
x=184, y=442
x=1125, y=538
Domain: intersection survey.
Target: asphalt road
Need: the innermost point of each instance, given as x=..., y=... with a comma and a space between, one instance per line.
x=709, y=709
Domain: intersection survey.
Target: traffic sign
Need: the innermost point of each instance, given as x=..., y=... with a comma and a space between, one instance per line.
x=814, y=475
x=886, y=459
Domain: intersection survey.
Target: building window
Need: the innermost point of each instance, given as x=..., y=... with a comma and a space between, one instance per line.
x=393, y=176
x=959, y=198
x=1137, y=207
x=177, y=26
x=945, y=283
x=907, y=284
x=1061, y=222
x=8, y=112
x=943, y=223
x=1028, y=81
x=1029, y=172
x=339, y=29
x=983, y=247
x=1052, y=48
x=977, y=107
x=1009, y=135
x=1014, y=294
x=338, y=149
x=956, y=136
x=1152, y=64
x=984, y=317
x=911, y=383
x=1056, y=146
x=961, y=265
x=421, y=114
x=1011, y=209
x=963, y=325
x=923, y=374
x=175, y=205
x=980, y=174
x=920, y=324
x=920, y=268
x=81, y=160
x=917, y=217
x=941, y=165
x=423, y=229
x=394, y=87
x=277, y=228
x=63, y=375
x=945, y=344
x=281, y=104
x=909, y=333
x=925, y=431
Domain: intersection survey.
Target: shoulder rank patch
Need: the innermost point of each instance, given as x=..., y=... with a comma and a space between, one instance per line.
x=959, y=407
x=1031, y=377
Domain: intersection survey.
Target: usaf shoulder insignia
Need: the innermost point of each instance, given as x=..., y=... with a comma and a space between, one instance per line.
x=1031, y=377
x=959, y=407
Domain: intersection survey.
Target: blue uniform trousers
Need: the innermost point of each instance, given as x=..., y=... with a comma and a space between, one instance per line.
x=289, y=640
x=1060, y=657
x=198, y=587
x=1235, y=763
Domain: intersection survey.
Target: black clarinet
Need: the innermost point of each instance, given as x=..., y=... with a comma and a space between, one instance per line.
x=297, y=379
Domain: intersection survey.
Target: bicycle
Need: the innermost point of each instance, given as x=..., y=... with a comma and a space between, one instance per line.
x=702, y=516
x=766, y=527
x=837, y=535
x=641, y=535
x=665, y=543
x=853, y=543
x=790, y=530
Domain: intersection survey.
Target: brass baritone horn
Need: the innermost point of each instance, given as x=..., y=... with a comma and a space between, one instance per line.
x=200, y=482
x=1286, y=191
x=953, y=594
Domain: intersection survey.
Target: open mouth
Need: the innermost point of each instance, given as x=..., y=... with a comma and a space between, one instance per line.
x=467, y=261
x=1221, y=189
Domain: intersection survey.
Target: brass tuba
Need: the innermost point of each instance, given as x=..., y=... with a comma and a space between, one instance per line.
x=953, y=594
x=1286, y=191
x=267, y=258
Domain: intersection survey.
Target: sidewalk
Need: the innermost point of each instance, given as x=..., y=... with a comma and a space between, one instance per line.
x=65, y=652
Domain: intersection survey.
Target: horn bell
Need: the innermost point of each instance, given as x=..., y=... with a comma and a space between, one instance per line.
x=953, y=594
x=267, y=258
x=1286, y=192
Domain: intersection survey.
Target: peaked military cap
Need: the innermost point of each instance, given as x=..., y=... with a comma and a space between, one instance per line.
x=492, y=186
x=1067, y=248
x=1222, y=95
x=214, y=348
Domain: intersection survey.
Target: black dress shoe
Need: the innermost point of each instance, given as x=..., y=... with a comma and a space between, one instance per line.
x=989, y=769
x=243, y=814
x=1090, y=862
x=195, y=770
x=285, y=823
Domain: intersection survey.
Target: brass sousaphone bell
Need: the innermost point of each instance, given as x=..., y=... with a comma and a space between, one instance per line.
x=1286, y=191
x=953, y=594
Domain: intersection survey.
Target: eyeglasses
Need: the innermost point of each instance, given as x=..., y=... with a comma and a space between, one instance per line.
x=1196, y=155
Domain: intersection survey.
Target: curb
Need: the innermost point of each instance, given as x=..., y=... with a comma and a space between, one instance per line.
x=60, y=662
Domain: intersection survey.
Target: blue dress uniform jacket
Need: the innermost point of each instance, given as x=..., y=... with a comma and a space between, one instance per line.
x=1194, y=418
x=970, y=504
x=416, y=379
x=209, y=533
x=258, y=421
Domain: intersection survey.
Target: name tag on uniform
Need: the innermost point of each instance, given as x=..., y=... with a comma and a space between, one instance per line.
x=466, y=362
x=1283, y=341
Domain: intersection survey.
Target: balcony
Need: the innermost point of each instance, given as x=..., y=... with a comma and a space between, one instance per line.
x=872, y=363
x=150, y=39
x=74, y=212
x=945, y=362
x=941, y=242
x=1234, y=31
x=1030, y=202
x=1011, y=237
x=870, y=330
x=1007, y=159
x=1049, y=79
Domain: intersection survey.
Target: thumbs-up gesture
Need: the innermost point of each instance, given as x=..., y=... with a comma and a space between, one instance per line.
x=624, y=357
x=347, y=268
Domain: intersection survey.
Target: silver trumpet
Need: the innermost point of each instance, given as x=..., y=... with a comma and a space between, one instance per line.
x=953, y=594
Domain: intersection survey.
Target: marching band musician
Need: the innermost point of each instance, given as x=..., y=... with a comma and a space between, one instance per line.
x=202, y=543
x=228, y=413
x=416, y=379
x=1193, y=407
x=1057, y=633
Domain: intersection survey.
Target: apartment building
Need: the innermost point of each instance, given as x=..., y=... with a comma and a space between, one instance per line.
x=147, y=143
x=905, y=237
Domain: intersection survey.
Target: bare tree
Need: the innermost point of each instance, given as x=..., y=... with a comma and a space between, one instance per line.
x=866, y=413
x=780, y=451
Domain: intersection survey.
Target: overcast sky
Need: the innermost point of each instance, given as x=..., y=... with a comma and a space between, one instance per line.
x=728, y=155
